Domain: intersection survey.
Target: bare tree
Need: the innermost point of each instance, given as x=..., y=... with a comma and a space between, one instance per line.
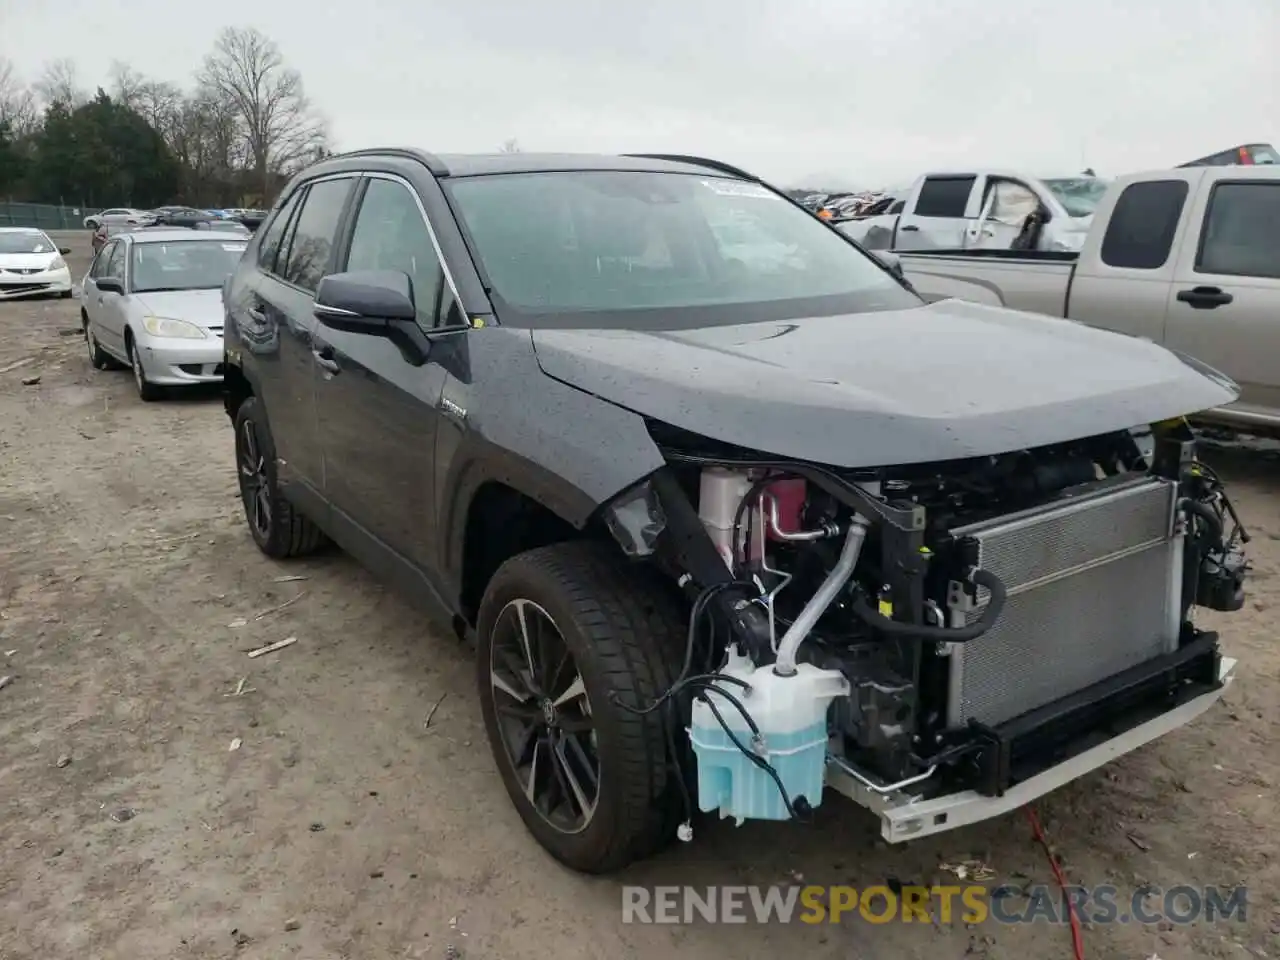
x=280, y=128
x=127, y=85
x=60, y=84
x=160, y=104
x=510, y=146
x=18, y=108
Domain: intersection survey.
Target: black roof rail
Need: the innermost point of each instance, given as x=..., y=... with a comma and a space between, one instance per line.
x=697, y=162
x=430, y=160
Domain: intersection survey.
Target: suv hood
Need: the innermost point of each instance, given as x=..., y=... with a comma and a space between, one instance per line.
x=940, y=382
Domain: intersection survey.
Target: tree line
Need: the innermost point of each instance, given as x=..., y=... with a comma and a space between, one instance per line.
x=232, y=138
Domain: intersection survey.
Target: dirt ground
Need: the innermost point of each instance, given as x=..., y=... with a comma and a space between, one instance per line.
x=343, y=826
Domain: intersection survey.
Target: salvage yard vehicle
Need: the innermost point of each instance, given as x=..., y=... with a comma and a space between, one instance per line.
x=725, y=532
x=152, y=301
x=1188, y=258
x=983, y=210
x=31, y=265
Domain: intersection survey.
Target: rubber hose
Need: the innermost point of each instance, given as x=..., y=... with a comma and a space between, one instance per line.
x=1204, y=512
x=920, y=631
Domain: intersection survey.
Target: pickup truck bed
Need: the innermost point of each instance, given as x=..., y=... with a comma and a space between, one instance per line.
x=1188, y=258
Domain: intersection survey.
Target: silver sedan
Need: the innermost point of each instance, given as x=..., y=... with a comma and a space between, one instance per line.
x=152, y=301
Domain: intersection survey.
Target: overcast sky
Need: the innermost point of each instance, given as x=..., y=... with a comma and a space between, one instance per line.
x=870, y=91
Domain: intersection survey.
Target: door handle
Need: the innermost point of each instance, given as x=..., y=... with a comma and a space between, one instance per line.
x=256, y=315
x=1205, y=298
x=325, y=361
x=910, y=228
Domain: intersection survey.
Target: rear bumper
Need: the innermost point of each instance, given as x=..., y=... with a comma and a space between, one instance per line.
x=1041, y=751
x=183, y=362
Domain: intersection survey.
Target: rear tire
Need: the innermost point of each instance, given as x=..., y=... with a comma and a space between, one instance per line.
x=278, y=528
x=620, y=636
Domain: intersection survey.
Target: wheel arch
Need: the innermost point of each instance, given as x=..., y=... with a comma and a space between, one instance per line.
x=499, y=522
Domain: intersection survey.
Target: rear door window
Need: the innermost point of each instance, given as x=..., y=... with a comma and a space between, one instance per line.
x=1143, y=224
x=270, y=246
x=944, y=196
x=315, y=232
x=115, y=262
x=99, y=268
x=1241, y=232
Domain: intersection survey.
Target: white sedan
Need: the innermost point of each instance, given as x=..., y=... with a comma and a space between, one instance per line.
x=119, y=216
x=152, y=301
x=31, y=265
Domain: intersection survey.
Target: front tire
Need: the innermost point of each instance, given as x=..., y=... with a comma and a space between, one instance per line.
x=566, y=633
x=98, y=358
x=279, y=529
x=147, y=390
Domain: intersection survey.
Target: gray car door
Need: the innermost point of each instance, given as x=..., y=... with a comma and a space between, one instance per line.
x=279, y=320
x=109, y=321
x=1224, y=305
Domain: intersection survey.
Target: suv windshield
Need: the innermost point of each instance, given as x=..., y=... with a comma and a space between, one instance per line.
x=25, y=241
x=184, y=264
x=1079, y=195
x=646, y=249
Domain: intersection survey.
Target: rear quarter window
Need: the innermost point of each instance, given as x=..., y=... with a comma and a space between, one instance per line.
x=1143, y=224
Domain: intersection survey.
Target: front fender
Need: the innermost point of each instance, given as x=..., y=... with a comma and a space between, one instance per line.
x=567, y=450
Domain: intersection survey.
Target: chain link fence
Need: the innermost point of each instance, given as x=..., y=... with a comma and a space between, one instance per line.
x=44, y=216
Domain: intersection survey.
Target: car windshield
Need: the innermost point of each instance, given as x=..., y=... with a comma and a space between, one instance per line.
x=647, y=249
x=25, y=241
x=1078, y=195
x=184, y=264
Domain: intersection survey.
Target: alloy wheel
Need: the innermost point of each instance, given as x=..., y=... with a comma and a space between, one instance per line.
x=544, y=716
x=255, y=488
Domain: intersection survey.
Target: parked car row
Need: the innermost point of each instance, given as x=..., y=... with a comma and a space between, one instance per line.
x=175, y=215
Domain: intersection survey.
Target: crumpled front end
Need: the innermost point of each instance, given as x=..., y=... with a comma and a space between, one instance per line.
x=947, y=636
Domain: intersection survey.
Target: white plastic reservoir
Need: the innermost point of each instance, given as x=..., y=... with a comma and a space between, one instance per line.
x=791, y=714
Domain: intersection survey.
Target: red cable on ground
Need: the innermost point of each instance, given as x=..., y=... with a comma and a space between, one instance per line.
x=1077, y=939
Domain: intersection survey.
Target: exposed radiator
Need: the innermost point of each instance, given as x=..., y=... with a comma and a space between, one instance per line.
x=1094, y=588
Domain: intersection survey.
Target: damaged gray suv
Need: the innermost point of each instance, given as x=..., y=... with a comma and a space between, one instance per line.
x=731, y=514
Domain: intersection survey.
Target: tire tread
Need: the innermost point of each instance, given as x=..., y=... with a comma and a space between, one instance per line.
x=637, y=635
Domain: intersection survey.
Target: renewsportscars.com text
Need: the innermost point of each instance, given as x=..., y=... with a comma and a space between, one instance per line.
x=974, y=904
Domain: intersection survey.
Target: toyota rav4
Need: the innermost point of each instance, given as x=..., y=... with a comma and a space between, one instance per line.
x=732, y=515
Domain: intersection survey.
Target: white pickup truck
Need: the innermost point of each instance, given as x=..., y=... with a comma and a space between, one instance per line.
x=988, y=209
x=1188, y=258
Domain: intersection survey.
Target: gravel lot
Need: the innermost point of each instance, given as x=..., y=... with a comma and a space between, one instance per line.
x=343, y=826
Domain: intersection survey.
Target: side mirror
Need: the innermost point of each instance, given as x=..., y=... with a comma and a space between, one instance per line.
x=110, y=285
x=365, y=301
x=64, y=250
x=374, y=302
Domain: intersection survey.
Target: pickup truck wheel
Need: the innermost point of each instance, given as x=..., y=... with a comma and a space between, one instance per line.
x=278, y=527
x=566, y=633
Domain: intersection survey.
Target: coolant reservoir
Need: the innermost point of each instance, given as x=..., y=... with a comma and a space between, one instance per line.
x=791, y=714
